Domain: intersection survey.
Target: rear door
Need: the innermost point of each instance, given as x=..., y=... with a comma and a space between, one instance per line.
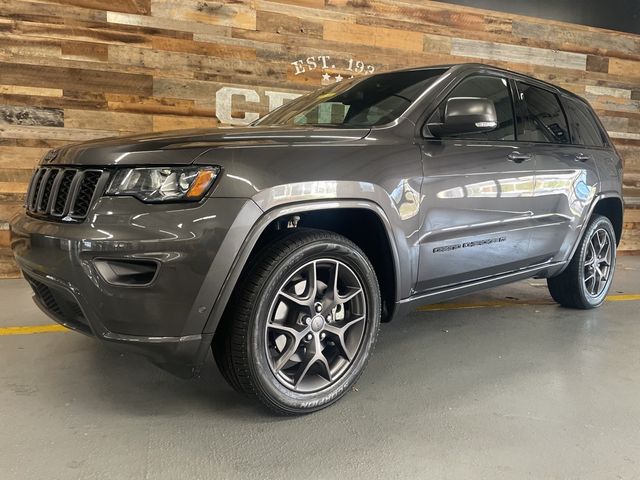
x=476, y=216
x=566, y=176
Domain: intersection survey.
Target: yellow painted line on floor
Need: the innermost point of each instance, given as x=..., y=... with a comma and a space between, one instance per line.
x=28, y=330
x=498, y=303
x=507, y=303
x=622, y=298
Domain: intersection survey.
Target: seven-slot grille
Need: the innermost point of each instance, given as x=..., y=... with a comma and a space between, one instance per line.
x=62, y=192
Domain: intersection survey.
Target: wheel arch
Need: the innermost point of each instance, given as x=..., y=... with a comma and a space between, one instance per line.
x=333, y=216
x=612, y=208
x=609, y=205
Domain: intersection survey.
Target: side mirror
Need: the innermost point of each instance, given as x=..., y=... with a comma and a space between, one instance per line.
x=466, y=115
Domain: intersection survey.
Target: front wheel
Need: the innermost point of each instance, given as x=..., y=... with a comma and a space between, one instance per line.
x=586, y=281
x=302, y=324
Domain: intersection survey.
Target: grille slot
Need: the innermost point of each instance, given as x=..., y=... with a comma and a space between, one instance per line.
x=46, y=189
x=63, y=192
x=85, y=193
x=33, y=194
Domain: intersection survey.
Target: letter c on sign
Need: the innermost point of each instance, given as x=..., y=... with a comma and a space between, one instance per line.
x=224, y=98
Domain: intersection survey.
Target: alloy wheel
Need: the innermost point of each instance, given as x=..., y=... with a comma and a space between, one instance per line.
x=316, y=325
x=597, y=262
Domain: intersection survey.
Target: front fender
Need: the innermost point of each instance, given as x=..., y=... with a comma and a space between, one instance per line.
x=244, y=248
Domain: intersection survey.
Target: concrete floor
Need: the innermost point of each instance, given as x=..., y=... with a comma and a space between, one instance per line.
x=523, y=391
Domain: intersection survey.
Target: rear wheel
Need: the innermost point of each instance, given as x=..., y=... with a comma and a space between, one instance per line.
x=302, y=323
x=586, y=280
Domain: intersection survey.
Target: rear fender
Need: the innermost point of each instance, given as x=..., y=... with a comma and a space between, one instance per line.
x=583, y=228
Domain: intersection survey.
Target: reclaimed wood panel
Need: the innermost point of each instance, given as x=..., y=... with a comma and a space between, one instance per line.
x=115, y=121
x=518, y=54
x=73, y=70
x=131, y=6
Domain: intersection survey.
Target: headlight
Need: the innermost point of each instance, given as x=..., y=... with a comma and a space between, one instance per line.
x=162, y=184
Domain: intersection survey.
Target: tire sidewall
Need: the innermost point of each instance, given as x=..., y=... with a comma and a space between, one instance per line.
x=265, y=379
x=599, y=222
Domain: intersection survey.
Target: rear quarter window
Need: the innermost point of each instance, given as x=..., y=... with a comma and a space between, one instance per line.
x=582, y=124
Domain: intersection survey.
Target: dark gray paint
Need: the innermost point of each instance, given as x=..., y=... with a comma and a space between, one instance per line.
x=427, y=193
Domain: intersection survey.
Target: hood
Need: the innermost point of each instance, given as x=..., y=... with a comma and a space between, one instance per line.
x=184, y=146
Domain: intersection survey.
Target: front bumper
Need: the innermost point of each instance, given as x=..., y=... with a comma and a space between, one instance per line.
x=164, y=319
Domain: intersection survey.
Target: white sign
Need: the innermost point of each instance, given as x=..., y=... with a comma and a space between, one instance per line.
x=225, y=97
x=329, y=67
x=331, y=72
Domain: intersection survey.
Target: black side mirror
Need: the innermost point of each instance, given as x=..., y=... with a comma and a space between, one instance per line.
x=466, y=115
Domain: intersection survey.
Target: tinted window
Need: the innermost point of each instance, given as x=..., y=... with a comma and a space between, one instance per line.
x=368, y=101
x=583, y=127
x=493, y=88
x=540, y=118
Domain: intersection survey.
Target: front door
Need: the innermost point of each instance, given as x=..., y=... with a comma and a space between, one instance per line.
x=476, y=194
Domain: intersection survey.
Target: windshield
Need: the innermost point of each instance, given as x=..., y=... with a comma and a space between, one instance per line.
x=362, y=102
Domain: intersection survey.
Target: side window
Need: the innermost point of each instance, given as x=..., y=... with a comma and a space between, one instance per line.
x=493, y=88
x=540, y=118
x=583, y=127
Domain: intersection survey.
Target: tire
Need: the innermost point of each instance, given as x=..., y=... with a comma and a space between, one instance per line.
x=295, y=344
x=581, y=285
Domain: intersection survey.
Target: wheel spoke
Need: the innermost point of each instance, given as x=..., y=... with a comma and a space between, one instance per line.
x=287, y=330
x=305, y=365
x=287, y=354
x=312, y=282
x=592, y=250
x=332, y=282
x=302, y=302
x=339, y=332
x=326, y=368
x=353, y=292
x=293, y=337
x=597, y=283
x=351, y=323
x=598, y=238
x=307, y=298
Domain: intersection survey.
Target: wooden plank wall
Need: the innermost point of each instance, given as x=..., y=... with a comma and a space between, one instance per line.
x=80, y=69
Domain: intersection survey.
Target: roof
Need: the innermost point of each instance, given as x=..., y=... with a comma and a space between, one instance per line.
x=474, y=66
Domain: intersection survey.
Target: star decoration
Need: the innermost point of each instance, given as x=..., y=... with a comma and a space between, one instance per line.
x=339, y=78
x=326, y=77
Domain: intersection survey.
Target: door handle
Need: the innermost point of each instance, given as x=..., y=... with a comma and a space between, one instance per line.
x=518, y=157
x=582, y=157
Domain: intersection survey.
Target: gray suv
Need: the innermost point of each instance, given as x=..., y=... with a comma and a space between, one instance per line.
x=283, y=245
